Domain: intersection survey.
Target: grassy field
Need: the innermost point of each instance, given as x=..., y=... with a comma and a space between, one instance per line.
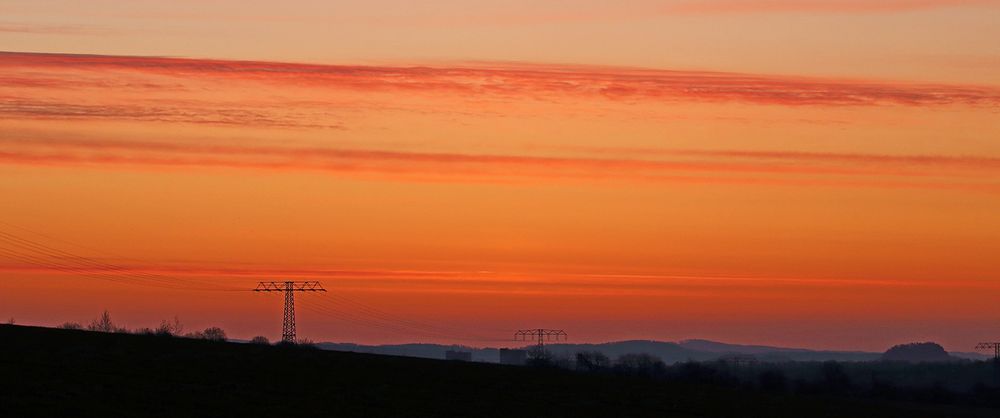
x=61, y=373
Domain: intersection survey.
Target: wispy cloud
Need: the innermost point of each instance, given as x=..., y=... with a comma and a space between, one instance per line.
x=49, y=29
x=727, y=167
x=160, y=111
x=643, y=10
x=534, y=81
x=516, y=282
x=816, y=6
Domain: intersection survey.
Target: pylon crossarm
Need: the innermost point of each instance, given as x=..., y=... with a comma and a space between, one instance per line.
x=306, y=286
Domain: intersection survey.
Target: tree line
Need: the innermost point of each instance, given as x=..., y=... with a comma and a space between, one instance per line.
x=167, y=328
x=964, y=382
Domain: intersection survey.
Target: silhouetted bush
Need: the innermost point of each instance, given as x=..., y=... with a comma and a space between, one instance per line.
x=210, y=333
x=260, y=339
x=835, y=380
x=592, y=361
x=773, y=381
x=145, y=331
x=643, y=365
x=71, y=325
x=694, y=372
x=170, y=328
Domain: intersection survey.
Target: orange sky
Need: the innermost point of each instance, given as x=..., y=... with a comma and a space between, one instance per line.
x=818, y=173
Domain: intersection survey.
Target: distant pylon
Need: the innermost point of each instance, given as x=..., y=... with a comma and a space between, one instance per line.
x=288, y=324
x=541, y=335
x=990, y=346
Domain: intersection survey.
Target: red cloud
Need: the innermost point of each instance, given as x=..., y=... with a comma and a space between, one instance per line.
x=548, y=81
x=743, y=167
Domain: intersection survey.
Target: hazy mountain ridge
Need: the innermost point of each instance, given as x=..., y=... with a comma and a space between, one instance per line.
x=669, y=352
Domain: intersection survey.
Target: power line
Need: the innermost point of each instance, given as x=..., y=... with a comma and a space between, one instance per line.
x=381, y=322
x=41, y=254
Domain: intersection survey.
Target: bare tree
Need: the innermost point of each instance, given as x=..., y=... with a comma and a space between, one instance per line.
x=177, y=326
x=260, y=339
x=103, y=324
x=11, y=321
x=167, y=329
x=71, y=325
x=215, y=334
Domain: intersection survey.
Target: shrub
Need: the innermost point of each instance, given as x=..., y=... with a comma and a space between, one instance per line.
x=592, y=361
x=210, y=333
x=773, y=381
x=170, y=328
x=214, y=334
x=71, y=325
x=644, y=365
x=260, y=339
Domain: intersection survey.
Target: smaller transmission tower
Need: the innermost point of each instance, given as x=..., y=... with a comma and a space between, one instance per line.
x=541, y=335
x=991, y=346
x=288, y=325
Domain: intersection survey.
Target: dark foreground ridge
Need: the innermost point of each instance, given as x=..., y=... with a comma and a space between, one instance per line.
x=59, y=373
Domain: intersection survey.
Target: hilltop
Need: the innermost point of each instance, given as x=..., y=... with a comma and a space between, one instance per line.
x=917, y=353
x=669, y=352
x=52, y=372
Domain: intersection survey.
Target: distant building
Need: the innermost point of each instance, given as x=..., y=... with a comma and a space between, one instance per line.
x=513, y=356
x=458, y=355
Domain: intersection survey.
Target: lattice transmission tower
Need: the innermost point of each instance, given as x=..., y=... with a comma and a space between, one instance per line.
x=990, y=346
x=541, y=335
x=288, y=324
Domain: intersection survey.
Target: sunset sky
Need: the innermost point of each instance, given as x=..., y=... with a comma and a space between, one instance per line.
x=814, y=173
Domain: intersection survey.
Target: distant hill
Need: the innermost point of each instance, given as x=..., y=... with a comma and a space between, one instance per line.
x=430, y=351
x=917, y=353
x=67, y=373
x=778, y=354
x=669, y=352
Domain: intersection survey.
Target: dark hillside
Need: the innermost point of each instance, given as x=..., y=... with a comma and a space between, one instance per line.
x=61, y=373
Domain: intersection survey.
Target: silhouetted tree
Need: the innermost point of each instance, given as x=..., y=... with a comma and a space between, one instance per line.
x=103, y=324
x=835, y=380
x=592, y=361
x=643, y=365
x=210, y=333
x=692, y=371
x=167, y=329
x=71, y=325
x=260, y=339
x=11, y=321
x=215, y=334
x=773, y=381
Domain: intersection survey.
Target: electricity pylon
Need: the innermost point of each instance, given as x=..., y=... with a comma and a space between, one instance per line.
x=990, y=346
x=542, y=335
x=288, y=325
